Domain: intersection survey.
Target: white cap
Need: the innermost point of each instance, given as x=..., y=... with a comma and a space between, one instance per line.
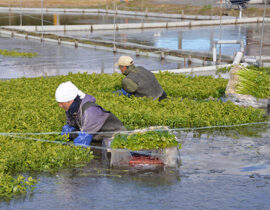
x=67, y=91
x=124, y=61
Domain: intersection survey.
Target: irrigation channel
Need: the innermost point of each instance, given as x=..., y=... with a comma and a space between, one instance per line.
x=227, y=168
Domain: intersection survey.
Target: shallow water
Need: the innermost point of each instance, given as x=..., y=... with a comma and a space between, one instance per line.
x=217, y=172
x=193, y=39
x=229, y=169
x=55, y=60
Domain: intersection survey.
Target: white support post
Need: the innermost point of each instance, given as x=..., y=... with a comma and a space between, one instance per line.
x=240, y=12
x=214, y=54
x=238, y=58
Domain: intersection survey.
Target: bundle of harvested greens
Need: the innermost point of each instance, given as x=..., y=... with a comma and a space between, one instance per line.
x=253, y=82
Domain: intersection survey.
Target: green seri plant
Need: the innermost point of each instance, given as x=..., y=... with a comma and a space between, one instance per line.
x=223, y=70
x=10, y=185
x=145, y=141
x=265, y=70
x=17, y=156
x=193, y=87
x=14, y=53
x=254, y=82
x=28, y=104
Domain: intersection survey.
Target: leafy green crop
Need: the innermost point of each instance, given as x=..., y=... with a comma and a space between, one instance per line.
x=10, y=186
x=27, y=156
x=145, y=141
x=15, y=53
x=254, y=82
x=264, y=70
x=223, y=70
x=28, y=105
x=197, y=87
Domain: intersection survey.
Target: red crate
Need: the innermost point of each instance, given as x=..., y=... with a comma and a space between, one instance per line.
x=144, y=160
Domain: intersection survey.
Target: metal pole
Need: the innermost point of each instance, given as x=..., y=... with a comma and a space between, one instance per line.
x=20, y=12
x=240, y=12
x=220, y=13
x=114, y=25
x=114, y=31
x=142, y=20
x=42, y=18
x=9, y=18
x=142, y=9
x=9, y=11
x=262, y=36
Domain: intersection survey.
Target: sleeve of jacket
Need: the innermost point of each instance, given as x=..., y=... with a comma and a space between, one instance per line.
x=93, y=119
x=129, y=85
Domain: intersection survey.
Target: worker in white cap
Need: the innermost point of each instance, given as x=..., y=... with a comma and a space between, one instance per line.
x=85, y=116
x=139, y=81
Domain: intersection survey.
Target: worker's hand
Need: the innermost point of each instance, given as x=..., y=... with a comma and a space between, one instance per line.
x=67, y=129
x=83, y=139
x=125, y=93
x=122, y=92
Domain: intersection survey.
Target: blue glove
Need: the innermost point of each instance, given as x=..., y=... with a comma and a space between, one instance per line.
x=67, y=129
x=123, y=92
x=83, y=139
x=126, y=93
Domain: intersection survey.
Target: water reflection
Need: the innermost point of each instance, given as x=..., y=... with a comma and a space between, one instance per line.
x=235, y=171
x=74, y=19
x=255, y=167
x=55, y=60
x=197, y=39
x=238, y=151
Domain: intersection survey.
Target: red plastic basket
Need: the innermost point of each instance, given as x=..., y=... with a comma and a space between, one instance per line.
x=144, y=160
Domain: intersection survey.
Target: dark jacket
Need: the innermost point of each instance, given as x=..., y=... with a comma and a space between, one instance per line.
x=141, y=82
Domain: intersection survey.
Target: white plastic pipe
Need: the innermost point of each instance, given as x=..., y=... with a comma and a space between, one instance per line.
x=134, y=25
x=214, y=54
x=214, y=50
x=198, y=69
x=240, y=12
x=238, y=58
x=266, y=64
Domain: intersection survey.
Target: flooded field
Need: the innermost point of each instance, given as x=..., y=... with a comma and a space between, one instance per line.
x=198, y=39
x=60, y=60
x=217, y=172
x=194, y=39
x=222, y=169
x=74, y=19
